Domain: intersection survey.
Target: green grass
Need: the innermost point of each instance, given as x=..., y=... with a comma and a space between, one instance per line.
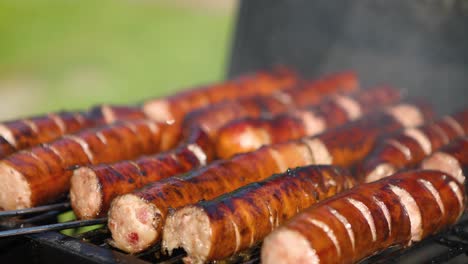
x=81, y=53
x=87, y=52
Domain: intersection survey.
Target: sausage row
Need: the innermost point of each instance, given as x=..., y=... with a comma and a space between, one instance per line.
x=210, y=119
x=92, y=188
x=123, y=177
x=216, y=229
x=42, y=174
x=28, y=132
x=174, y=108
x=410, y=146
x=146, y=209
x=249, y=134
x=346, y=228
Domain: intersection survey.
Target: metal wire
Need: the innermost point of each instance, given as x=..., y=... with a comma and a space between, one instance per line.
x=33, y=210
x=51, y=227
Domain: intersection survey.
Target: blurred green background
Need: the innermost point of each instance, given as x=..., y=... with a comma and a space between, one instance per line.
x=63, y=54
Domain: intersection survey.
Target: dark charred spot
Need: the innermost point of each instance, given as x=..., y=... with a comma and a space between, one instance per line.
x=74, y=167
x=177, y=191
x=117, y=174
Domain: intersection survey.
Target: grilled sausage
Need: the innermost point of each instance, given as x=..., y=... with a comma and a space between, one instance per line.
x=174, y=108
x=20, y=134
x=41, y=174
x=409, y=147
x=107, y=181
x=28, y=132
x=451, y=159
x=211, y=230
x=211, y=118
x=249, y=134
x=93, y=188
x=146, y=209
x=350, y=226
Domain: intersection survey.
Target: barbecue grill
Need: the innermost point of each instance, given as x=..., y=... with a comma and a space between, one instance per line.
x=419, y=45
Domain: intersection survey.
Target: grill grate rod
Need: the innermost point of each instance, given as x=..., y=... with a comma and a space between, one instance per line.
x=51, y=227
x=33, y=210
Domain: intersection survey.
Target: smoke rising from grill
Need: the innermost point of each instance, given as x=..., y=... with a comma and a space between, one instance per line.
x=419, y=46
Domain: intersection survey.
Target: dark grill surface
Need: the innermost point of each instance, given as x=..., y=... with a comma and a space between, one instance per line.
x=450, y=246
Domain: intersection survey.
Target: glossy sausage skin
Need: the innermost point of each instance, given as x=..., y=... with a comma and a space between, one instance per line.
x=350, y=143
x=28, y=132
x=201, y=127
x=249, y=134
x=451, y=158
x=174, y=108
x=42, y=174
x=409, y=147
x=94, y=187
x=241, y=219
x=212, y=118
x=342, y=146
x=350, y=226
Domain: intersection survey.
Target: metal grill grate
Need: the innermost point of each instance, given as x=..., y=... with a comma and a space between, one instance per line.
x=450, y=246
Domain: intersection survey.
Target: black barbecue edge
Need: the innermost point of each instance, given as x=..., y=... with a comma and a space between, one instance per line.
x=450, y=246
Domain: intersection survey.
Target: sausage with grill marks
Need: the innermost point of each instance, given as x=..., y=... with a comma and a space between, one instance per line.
x=93, y=188
x=249, y=134
x=212, y=118
x=146, y=209
x=104, y=182
x=29, y=132
x=397, y=210
x=41, y=174
x=409, y=147
x=174, y=108
x=452, y=159
x=211, y=230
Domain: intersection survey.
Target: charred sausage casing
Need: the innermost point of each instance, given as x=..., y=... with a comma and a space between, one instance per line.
x=24, y=133
x=93, y=187
x=28, y=132
x=146, y=209
x=350, y=226
x=210, y=119
x=248, y=134
x=42, y=174
x=174, y=108
x=409, y=147
x=211, y=230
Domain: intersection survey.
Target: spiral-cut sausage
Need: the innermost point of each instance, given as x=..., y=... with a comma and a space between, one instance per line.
x=409, y=147
x=41, y=174
x=216, y=229
x=350, y=226
x=212, y=118
x=146, y=209
x=23, y=133
x=108, y=181
x=174, y=108
x=28, y=132
x=249, y=134
x=94, y=187
x=451, y=159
